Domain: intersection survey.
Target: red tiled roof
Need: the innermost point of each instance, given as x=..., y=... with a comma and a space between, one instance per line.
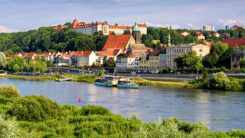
x=28, y=55
x=238, y=42
x=117, y=42
x=125, y=27
x=115, y=52
x=149, y=49
x=82, y=53
x=56, y=28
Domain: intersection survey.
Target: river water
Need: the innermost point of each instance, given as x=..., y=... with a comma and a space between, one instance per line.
x=221, y=111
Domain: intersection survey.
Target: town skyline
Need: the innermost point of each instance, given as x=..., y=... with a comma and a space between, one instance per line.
x=189, y=14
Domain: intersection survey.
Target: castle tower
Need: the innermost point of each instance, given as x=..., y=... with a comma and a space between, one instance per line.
x=137, y=34
x=75, y=23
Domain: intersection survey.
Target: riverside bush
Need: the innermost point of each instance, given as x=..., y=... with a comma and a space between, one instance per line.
x=94, y=110
x=10, y=129
x=9, y=91
x=34, y=108
x=219, y=81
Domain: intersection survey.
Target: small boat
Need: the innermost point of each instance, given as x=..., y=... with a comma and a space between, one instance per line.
x=112, y=81
x=101, y=82
x=66, y=79
x=125, y=83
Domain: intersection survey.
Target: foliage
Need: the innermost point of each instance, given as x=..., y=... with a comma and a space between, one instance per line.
x=58, y=76
x=9, y=91
x=94, y=110
x=41, y=117
x=100, y=73
x=242, y=63
x=3, y=60
x=109, y=63
x=189, y=61
x=19, y=64
x=219, y=81
x=219, y=56
x=10, y=129
x=34, y=108
x=47, y=39
x=86, y=78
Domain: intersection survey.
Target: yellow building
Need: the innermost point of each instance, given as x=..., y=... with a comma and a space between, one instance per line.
x=151, y=60
x=173, y=51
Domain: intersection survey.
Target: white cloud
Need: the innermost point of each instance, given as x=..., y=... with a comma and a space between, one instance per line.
x=227, y=21
x=4, y=29
x=174, y=26
x=192, y=26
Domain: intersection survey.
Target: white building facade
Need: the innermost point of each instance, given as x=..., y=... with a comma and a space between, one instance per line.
x=103, y=27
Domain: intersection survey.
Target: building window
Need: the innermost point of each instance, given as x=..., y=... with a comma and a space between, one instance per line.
x=200, y=50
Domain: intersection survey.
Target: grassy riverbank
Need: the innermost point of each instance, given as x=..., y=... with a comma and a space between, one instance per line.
x=29, y=77
x=86, y=78
x=144, y=82
x=45, y=118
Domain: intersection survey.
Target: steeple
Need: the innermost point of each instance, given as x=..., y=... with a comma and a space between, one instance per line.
x=136, y=27
x=136, y=33
x=169, y=40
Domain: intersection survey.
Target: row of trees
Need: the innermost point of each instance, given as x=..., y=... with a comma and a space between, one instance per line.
x=19, y=64
x=48, y=39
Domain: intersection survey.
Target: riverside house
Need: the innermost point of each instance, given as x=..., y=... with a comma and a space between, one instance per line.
x=83, y=58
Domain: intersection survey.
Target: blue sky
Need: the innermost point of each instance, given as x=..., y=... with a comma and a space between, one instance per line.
x=22, y=15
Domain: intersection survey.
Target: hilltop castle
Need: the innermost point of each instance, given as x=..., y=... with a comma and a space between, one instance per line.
x=91, y=28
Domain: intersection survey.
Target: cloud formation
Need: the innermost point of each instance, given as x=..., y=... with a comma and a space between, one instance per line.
x=227, y=21
x=173, y=26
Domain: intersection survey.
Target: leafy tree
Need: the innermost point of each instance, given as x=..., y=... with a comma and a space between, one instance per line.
x=16, y=68
x=109, y=63
x=219, y=55
x=242, y=63
x=189, y=61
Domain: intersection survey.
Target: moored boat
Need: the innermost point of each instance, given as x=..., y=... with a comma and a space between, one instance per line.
x=101, y=82
x=125, y=83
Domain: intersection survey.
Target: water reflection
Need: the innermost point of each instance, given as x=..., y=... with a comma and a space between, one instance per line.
x=221, y=111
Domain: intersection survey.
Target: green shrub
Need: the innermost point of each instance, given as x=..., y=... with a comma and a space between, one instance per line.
x=58, y=76
x=72, y=110
x=9, y=91
x=10, y=129
x=100, y=73
x=237, y=133
x=94, y=110
x=86, y=78
x=190, y=127
x=34, y=108
x=218, y=81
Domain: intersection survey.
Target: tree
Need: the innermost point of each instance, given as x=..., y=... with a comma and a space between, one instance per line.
x=219, y=55
x=189, y=61
x=242, y=63
x=127, y=32
x=16, y=68
x=2, y=60
x=109, y=63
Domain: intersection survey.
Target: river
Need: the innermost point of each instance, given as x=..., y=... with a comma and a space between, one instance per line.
x=221, y=111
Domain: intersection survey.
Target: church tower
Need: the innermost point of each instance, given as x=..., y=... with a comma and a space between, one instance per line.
x=137, y=34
